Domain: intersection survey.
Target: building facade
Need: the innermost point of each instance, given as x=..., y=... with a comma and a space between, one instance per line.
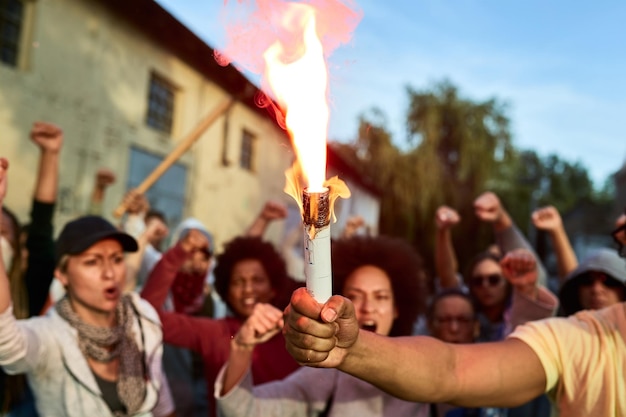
x=126, y=81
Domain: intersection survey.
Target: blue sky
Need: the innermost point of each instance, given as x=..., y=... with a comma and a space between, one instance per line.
x=559, y=65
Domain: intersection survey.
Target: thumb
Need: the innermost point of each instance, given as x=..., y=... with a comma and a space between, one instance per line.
x=337, y=307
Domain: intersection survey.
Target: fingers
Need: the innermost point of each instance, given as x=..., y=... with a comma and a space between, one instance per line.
x=105, y=176
x=45, y=130
x=274, y=210
x=264, y=322
x=446, y=217
x=487, y=207
x=319, y=335
x=546, y=218
x=4, y=164
x=517, y=263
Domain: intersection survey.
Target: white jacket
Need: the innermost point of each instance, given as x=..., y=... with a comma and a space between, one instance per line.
x=46, y=349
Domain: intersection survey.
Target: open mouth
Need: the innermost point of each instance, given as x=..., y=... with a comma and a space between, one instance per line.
x=369, y=327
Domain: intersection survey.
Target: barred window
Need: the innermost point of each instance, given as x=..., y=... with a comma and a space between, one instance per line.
x=160, y=104
x=247, y=151
x=11, y=12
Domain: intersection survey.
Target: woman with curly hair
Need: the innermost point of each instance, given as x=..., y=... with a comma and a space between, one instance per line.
x=384, y=279
x=248, y=272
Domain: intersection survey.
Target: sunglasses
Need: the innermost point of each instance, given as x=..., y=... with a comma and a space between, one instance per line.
x=619, y=236
x=448, y=320
x=491, y=280
x=588, y=280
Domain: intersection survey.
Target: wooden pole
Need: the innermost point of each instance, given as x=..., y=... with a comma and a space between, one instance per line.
x=178, y=151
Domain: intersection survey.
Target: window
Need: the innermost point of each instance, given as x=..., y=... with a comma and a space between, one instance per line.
x=168, y=193
x=160, y=104
x=247, y=151
x=11, y=12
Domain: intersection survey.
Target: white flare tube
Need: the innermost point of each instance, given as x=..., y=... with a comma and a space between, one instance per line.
x=317, y=264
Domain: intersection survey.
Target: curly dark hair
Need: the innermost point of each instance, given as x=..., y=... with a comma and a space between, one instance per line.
x=242, y=248
x=401, y=263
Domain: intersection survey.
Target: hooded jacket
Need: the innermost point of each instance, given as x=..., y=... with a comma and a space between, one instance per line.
x=601, y=260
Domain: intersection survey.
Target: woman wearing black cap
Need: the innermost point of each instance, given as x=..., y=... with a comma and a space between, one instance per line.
x=98, y=352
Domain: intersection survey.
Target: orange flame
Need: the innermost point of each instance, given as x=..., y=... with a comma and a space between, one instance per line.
x=296, y=39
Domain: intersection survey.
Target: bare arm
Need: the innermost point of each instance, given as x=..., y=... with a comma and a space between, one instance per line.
x=264, y=322
x=489, y=209
x=549, y=219
x=446, y=264
x=104, y=178
x=419, y=368
x=271, y=211
x=154, y=228
x=5, y=289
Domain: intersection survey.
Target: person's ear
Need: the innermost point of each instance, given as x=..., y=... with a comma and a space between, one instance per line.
x=61, y=276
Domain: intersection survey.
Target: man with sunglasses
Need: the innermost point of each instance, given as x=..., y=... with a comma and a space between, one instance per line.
x=580, y=361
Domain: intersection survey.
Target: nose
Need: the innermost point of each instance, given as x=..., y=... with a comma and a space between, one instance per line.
x=107, y=271
x=454, y=325
x=367, y=305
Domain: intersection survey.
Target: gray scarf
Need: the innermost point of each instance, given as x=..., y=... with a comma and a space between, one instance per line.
x=104, y=344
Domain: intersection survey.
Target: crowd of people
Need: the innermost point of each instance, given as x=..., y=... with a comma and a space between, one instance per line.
x=108, y=319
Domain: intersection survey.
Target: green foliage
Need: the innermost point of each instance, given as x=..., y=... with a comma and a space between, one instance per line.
x=456, y=149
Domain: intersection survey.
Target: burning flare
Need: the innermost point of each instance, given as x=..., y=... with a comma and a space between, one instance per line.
x=296, y=39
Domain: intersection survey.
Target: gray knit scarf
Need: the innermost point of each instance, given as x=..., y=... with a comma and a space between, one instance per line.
x=104, y=344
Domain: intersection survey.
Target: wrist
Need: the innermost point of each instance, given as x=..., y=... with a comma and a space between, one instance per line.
x=529, y=291
x=237, y=346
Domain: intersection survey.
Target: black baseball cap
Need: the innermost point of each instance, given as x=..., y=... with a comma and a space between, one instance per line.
x=79, y=235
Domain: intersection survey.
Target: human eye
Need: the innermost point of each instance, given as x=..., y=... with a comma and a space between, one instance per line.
x=91, y=261
x=353, y=296
x=118, y=259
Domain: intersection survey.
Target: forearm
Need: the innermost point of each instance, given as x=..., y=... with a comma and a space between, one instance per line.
x=48, y=177
x=511, y=238
x=424, y=369
x=257, y=228
x=565, y=255
x=414, y=369
x=40, y=245
x=446, y=264
x=162, y=276
x=133, y=264
x=237, y=366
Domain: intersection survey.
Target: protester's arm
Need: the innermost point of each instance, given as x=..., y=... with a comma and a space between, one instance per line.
x=530, y=300
x=104, y=178
x=549, y=219
x=446, y=264
x=40, y=237
x=271, y=211
x=5, y=290
x=154, y=228
x=162, y=276
x=489, y=209
x=419, y=368
x=264, y=322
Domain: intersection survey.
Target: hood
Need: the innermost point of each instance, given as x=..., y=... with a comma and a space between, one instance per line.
x=188, y=224
x=601, y=260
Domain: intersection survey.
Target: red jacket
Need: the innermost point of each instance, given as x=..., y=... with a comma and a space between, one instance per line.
x=210, y=337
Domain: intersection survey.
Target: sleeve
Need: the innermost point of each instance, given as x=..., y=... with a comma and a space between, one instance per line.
x=162, y=276
x=524, y=309
x=41, y=263
x=178, y=329
x=512, y=238
x=303, y=393
x=165, y=404
x=549, y=339
x=20, y=347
